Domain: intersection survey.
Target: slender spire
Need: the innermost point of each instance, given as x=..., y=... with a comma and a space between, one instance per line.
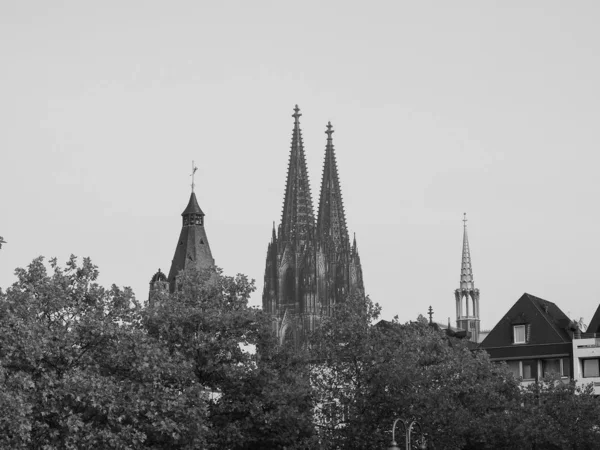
x=466, y=270
x=297, y=219
x=331, y=220
x=274, y=235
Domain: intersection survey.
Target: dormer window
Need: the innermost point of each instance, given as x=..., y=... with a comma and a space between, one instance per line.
x=519, y=334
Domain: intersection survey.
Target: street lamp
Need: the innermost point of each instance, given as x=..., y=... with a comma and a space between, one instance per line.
x=408, y=426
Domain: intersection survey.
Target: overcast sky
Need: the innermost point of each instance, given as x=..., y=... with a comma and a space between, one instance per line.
x=439, y=108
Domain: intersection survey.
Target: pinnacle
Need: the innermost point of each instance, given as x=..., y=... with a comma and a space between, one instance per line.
x=466, y=269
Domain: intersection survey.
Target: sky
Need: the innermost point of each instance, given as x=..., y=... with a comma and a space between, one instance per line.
x=439, y=108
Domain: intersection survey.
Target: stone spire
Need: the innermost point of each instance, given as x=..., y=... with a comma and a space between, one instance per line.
x=467, y=296
x=466, y=270
x=331, y=219
x=297, y=218
x=192, y=246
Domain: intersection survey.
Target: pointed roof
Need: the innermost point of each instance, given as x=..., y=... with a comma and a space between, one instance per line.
x=549, y=324
x=193, y=207
x=594, y=326
x=466, y=270
x=192, y=247
x=331, y=220
x=297, y=218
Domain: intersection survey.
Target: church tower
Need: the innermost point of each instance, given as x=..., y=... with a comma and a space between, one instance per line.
x=467, y=296
x=192, y=247
x=310, y=266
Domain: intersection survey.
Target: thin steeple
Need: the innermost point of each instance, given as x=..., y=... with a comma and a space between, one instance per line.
x=297, y=219
x=466, y=270
x=331, y=220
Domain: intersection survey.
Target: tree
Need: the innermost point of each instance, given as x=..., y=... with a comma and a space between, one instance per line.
x=558, y=415
x=77, y=370
x=371, y=374
x=259, y=399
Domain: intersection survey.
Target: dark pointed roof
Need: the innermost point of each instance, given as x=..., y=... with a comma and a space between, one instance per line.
x=466, y=270
x=549, y=325
x=594, y=326
x=193, y=207
x=192, y=246
x=297, y=218
x=331, y=220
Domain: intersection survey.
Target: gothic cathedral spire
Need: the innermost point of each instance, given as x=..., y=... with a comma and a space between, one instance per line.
x=309, y=268
x=297, y=218
x=331, y=219
x=467, y=296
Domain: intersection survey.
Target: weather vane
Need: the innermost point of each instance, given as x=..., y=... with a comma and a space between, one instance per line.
x=194, y=168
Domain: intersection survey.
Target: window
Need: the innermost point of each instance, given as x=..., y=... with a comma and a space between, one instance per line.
x=519, y=334
x=566, y=368
x=530, y=369
x=514, y=367
x=551, y=366
x=591, y=368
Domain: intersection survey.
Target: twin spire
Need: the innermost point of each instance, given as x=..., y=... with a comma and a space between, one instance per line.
x=297, y=220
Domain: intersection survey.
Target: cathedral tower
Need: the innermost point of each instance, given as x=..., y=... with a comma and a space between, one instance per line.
x=309, y=266
x=339, y=271
x=467, y=296
x=290, y=292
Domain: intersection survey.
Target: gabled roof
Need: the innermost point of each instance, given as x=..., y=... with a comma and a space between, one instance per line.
x=546, y=322
x=594, y=326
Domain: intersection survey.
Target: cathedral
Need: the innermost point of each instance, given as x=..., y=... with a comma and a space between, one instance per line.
x=310, y=265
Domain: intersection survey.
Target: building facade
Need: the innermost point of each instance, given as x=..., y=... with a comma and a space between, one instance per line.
x=534, y=338
x=586, y=355
x=311, y=264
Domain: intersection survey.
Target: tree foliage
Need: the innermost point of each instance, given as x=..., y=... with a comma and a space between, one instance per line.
x=82, y=366
x=86, y=367
x=368, y=374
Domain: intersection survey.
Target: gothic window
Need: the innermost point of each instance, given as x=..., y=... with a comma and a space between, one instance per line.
x=288, y=285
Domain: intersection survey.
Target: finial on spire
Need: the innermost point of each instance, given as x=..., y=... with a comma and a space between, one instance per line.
x=296, y=114
x=465, y=219
x=430, y=313
x=194, y=168
x=329, y=131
